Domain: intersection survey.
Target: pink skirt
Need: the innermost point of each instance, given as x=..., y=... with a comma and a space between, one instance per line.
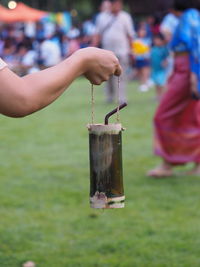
x=177, y=120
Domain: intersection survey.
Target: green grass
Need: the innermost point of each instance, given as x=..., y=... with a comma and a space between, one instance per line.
x=44, y=186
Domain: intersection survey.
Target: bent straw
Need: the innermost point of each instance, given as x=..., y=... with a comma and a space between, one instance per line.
x=114, y=111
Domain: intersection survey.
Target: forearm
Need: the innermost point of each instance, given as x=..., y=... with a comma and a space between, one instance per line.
x=22, y=96
x=33, y=92
x=49, y=84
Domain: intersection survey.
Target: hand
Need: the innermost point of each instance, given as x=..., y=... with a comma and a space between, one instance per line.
x=99, y=64
x=194, y=84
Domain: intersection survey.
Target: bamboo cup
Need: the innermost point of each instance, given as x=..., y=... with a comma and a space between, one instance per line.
x=106, y=174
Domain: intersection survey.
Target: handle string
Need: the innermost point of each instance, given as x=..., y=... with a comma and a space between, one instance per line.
x=92, y=103
x=118, y=98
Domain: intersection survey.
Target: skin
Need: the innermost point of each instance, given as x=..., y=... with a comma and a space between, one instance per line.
x=194, y=84
x=116, y=7
x=160, y=89
x=21, y=96
x=105, y=6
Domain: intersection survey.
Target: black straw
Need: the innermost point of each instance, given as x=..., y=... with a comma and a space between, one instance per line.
x=114, y=111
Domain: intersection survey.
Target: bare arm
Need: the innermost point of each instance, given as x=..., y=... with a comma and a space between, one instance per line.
x=22, y=96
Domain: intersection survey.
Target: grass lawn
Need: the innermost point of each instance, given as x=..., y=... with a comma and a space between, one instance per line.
x=44, y=192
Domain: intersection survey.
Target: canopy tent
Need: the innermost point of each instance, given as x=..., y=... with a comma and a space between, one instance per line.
x=22, y=13
x=4, y=12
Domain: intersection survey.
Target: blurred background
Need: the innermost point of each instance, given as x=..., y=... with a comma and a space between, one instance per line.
x=87, y=7
x=45, y=215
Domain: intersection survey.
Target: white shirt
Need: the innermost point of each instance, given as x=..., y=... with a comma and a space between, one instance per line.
x=30, y=29
x=169, y=23
x=50, y=53
x=114, y=31
x=29, y=59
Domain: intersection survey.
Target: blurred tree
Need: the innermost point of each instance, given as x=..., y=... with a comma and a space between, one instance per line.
x=142, y=7
x=58, y=5
x=86, y=7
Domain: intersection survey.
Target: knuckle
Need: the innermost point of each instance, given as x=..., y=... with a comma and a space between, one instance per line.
x=97, y=82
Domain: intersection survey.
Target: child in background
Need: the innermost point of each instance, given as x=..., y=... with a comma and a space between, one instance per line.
x=159, y=63
x=141, y=51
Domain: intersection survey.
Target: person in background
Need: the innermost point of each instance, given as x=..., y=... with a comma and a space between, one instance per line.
x=150, y=22
x=155, y=26
x=65, y=46
x=9, y=52
x=177, y=119
x=104, y=9
x=73, y=45
x=87, y=32
x=73, y=40
x=21, y=96
x=159, y=63
x=40, y=32
x=115, y=31
x=141, y=48
x=27, y=62
x=167, y=28
x=169, y=25
x=148, y=25
x=152, y=25
x=88, y=27
x=74, y=32
x=50, y=52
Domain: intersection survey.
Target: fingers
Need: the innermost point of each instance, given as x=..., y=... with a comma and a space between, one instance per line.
x=104, y=67
x=99, y=79
x=118, y=68
x=118, y=71
x=96, y=82
x=93, y=79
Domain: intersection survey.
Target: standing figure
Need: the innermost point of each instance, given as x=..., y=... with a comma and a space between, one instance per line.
x=141, y=51
x=167, y=28
x=159, y=63
x=115, y=33
x=50, y=46
x=169, y=24
x=177, y=119
x=105, y=8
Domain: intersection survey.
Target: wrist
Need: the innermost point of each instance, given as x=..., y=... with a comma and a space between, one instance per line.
x=82, y=60
x=76, y=63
